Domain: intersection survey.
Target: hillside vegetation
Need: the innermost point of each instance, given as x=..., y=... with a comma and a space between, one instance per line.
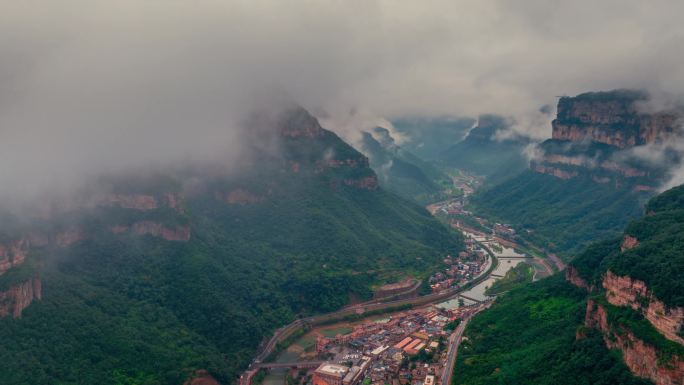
x=545, y=333
x=562, y=215
x=269, y=245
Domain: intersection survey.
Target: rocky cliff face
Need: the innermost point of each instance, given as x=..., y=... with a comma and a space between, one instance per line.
x=19, y=296
x=572, y=276
x=201, y=377
x=625, y=291
x=156, y=229
x=642, y=317
x=591, y=133
x=310, y=150
x=611, y=118
x=239, y=196
x=13, y=254
x=365, y=183
x=139, y=205
x=628, y=242
x=555, y=171
x=141, y=202
x=297, y=122
x=642, y=359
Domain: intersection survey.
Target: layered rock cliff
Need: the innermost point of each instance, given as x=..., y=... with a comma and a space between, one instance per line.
x=642, y=359
x=626, y=291
x=593, y=132
x=19, y=296
x=308, y=149
x=613, y=118
x=572, y=276
x=634, y=283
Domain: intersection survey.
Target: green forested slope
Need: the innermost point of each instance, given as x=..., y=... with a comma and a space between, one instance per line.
x=529, y=337
x=483, y=154
x=400, y=171
x=126, y=309
x=563, y=215
x=657, y=260
x=536, y=334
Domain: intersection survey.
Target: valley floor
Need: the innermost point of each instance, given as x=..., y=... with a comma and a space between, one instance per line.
x=298, y=351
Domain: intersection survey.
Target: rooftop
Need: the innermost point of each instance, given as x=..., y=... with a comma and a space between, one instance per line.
x=332, y=370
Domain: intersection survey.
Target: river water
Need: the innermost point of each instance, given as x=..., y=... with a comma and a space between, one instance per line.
x=508, y=259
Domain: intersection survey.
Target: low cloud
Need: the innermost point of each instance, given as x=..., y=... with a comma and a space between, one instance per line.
x=93, y=86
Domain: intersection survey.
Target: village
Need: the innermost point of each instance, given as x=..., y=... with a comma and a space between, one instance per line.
x=462, y=268
x=409, y=347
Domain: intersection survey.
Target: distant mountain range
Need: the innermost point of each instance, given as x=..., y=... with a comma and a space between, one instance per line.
x=483, y=153
x=400, y=171
x=429, y=137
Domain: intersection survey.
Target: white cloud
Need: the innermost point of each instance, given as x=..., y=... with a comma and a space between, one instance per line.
x=99, y=85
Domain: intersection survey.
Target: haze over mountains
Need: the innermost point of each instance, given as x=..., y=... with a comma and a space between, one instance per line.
x=182, y=185
x=594, y=174
x=124, y=84
x=178, y=272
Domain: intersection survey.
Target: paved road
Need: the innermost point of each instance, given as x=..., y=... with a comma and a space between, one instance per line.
x=454, y=342
x=298, y=365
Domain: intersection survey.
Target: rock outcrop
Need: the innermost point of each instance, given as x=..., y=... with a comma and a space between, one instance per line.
x=141, y=202
x=202, y=377
x=13, y=254
x=591, y=132
x=572, y=276
x=555, y=171
x=239, y=196
x=642, y=359
x=326, y=164
x=156, y=229
x=611, y=118
x=628, y=242
x=625, y=291
x=298, y=123
x=19, y=296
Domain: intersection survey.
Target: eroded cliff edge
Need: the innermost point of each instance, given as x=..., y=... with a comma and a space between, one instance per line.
x=635, y=293
x=594, y=132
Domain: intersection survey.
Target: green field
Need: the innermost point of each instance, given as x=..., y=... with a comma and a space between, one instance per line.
x=331, y=333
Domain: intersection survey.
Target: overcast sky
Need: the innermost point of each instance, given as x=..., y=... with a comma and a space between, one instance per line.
x=98, y=85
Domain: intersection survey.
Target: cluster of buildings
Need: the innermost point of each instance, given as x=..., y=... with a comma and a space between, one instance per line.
x=407, y=349
x=503, y=230
x=461, y=268
x=454, y=207
x=467, y=183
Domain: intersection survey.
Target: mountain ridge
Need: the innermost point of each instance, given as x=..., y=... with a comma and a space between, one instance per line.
x=300, y=233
